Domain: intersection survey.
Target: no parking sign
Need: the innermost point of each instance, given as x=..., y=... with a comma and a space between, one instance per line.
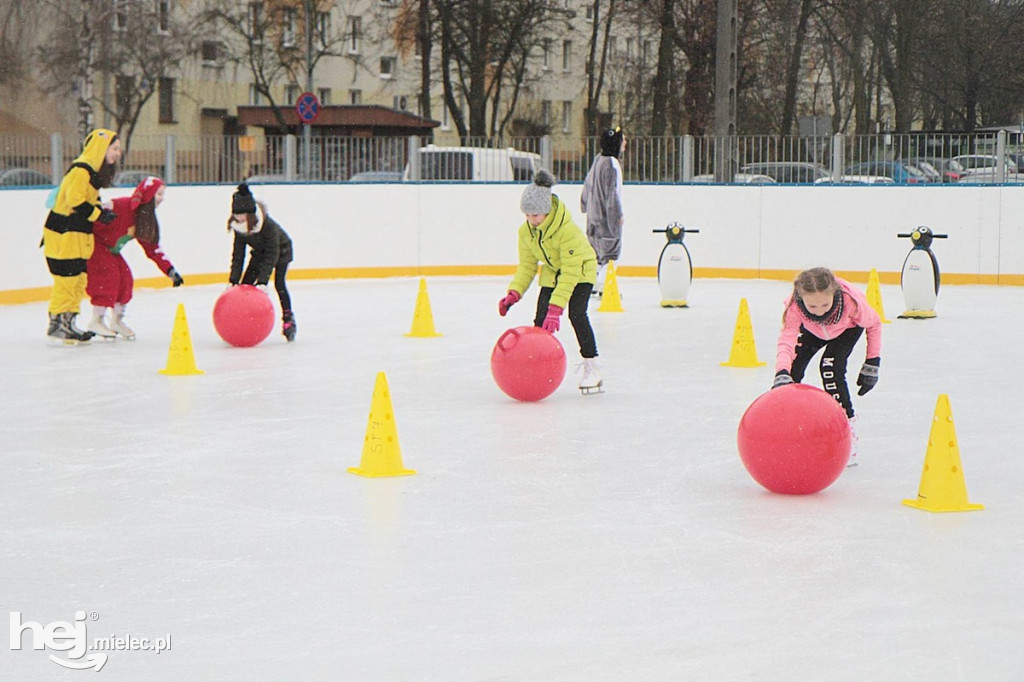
x=307, y=106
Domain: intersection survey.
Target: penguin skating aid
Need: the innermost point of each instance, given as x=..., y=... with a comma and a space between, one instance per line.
x=675, y=267
x=920, y=276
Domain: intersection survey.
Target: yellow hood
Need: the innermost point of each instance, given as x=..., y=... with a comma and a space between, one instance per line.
x=95, y=150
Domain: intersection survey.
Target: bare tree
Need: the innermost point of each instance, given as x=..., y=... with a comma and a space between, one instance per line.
x=597, y=60
x=268, y=39
x=484, y=46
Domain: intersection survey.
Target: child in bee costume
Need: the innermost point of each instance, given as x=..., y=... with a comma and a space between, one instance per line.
x=270, y=248
x=68, y=234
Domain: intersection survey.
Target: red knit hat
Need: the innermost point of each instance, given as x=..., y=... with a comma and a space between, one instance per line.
x=145, y=191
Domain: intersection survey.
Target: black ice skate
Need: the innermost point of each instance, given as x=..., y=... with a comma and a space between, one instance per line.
x=288, y=327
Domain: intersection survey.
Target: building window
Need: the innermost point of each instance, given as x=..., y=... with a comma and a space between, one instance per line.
x=566, y=55
x=291, y=94
x=163, y=16
x=323, y=28
x=256, y=21
x=646, y=52
x=387, y=67
x=288, y=29
x=166, y=96
x=355, y=29
x=588, y=14
x=210, y=51
x=324, y=95
x=566, y=116
x=446, y=122
x=545, y=113
x=629, y=48
x=255, y=96
x=120, y=15
x=546, y=46
x=124, y=89
x=611, y=102
x=355, y=96
x=612, y=46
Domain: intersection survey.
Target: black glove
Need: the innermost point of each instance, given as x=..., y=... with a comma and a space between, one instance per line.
x=868, y=375
x=782, y=378
x=175, y=277
x=106, y=216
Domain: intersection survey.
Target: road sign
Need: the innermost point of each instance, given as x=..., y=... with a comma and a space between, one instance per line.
x=307, y=106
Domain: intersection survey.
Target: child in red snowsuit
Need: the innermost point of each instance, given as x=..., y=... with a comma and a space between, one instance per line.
x=110, y=280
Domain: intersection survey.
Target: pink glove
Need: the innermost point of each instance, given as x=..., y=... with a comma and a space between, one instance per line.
x=551, y=322
x=510, y=300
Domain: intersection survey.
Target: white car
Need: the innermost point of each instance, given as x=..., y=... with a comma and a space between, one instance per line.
x=739, y=179
x=984, y=163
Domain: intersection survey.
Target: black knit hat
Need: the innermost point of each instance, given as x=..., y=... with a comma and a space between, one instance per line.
x=611, y=142
x=242, y=201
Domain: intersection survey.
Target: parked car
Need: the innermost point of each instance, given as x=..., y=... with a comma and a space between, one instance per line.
x=24, y=177
x=475, y=164
x=131, y=177
x=949, y=169
x=858, y=180
x=377, y=176
x=897, y=171
x=788, y=171
x=989, y=176
x=986, y=163
x=739, y=179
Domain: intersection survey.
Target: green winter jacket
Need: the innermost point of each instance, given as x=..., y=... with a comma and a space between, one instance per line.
x=565, y=256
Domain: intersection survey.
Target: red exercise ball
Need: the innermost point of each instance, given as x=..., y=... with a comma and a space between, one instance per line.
x=528, y=363
x=794, y=439
x=243, y=315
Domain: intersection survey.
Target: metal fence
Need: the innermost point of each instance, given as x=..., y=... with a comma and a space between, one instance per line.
x=676, y=159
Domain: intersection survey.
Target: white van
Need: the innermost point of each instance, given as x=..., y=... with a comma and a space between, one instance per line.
x=476, y=164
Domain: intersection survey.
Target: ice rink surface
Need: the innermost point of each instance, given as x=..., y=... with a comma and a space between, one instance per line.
x=612, y=537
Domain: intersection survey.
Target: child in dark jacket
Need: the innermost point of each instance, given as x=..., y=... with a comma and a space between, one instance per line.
x=270, y=252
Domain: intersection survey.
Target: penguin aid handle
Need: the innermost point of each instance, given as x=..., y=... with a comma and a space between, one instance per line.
x=671, y=225
x=908, y=235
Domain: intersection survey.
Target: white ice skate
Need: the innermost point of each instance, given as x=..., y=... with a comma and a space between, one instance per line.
x=854, y=441
x=591, y=381
x=98, y=324
x=117, y=324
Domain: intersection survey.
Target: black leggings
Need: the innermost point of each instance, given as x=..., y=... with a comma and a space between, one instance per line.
x=282, y=291
x=832, y=365
x=578, y=303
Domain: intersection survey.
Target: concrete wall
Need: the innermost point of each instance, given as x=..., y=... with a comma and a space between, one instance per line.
x=405, y=229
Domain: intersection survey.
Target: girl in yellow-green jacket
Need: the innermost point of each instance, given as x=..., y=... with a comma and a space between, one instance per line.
x=67, y=236
x=568, y=270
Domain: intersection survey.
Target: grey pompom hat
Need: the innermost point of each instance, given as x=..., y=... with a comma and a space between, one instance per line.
x=537, y=197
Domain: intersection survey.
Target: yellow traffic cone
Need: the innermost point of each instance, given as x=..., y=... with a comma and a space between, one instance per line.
x=423, y=319
x=744, y=347
x=942, y=486
x=180, y=359
x=875, y=295
x=381, y=455
x=611, y=301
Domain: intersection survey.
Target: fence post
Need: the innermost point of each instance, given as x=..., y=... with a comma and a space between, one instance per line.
x=414, y=157
x=170, y=160
x=838, y=154
x=56, y=158
x=546, y=153
x=688, y=148
x=1001, y=156
x=290, y=150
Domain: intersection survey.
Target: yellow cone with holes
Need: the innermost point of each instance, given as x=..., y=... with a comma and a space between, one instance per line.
x=181, y=360
x=423, y=318
x=381, y=454
x=874, y=295
x=611, y=301
x=744, y=347
x=942, y=486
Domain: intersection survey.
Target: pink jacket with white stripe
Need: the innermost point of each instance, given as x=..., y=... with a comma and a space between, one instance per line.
x=857, y=312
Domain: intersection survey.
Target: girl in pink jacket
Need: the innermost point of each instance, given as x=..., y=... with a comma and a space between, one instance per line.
x=827, y=312
x=110, y=282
